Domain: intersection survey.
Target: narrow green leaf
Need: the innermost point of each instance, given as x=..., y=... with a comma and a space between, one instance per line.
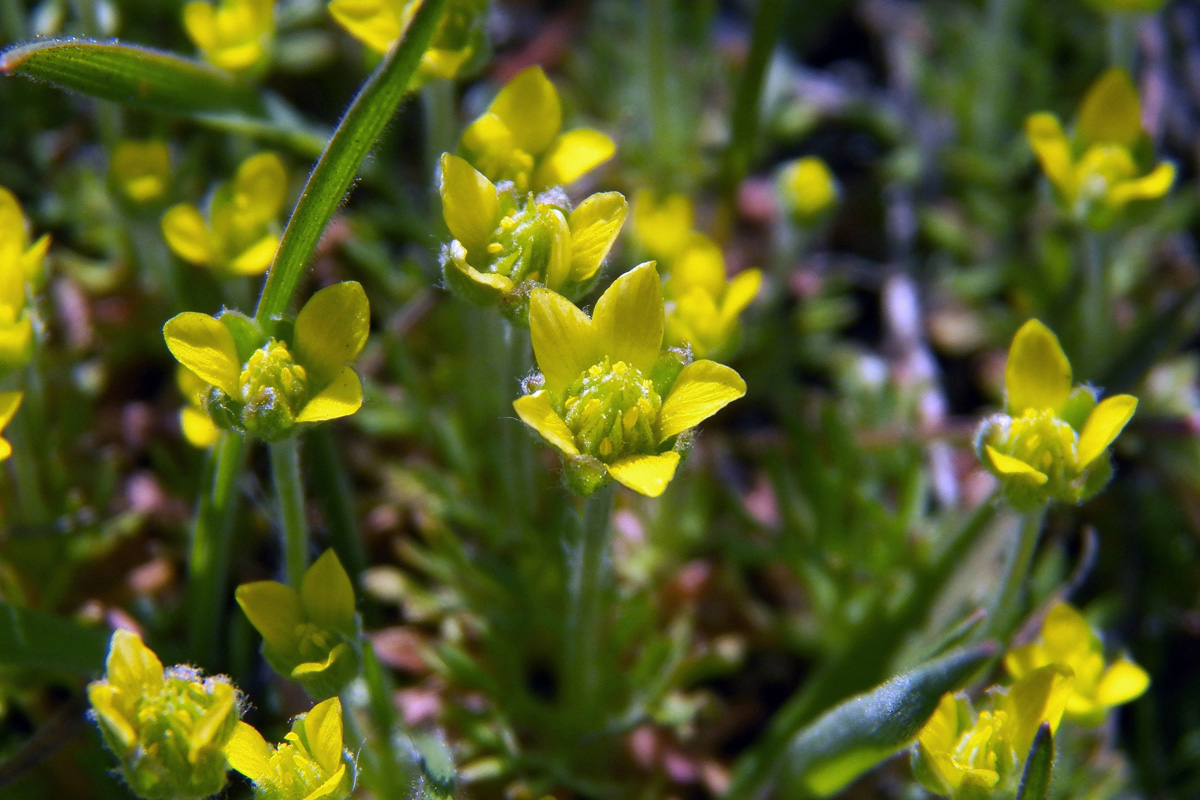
x=38, y=640
x=339, y=163
x=437, y=767
x=1035, y=781
x=856, y=735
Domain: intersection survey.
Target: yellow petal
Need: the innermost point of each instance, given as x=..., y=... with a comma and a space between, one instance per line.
x=341, y=398
x=488, y=139
x=311, y=667
x=528, y=106
x=331, y=330
x=12, y=219
x=198, y=427
x=1041, y=696
x=661, y=225
x=1148, y=187
x=1066, y=635
x=16, y=343
x=188, y=235
x=940, y=733
x=470, y=204
x=648, y=475
x=628, y=319
x=1038, y=375
x=32, y=266
x=558, y=260
x=573, y=155
x=1111, y=112
x=1052, y=149
x=103, y=698
x=330, y=786
x=1007, y=465
x=323, y=733
x=5, y=449
x=1122, y=681
x=215, y=717
x=372, y=22
x=536, y=411
x=702, y=389
x=9, y=403
x=1023, y=660
x=700, y=264
x=199, y=20
x=131, y=666
x=327, y=595
x=255, y=259
x=260, y=187
x=275, y=612
x=741, y=292
x=595, y=225
x=563, y=340
x=1103, y=425
x=248, y=753
x=206, y=347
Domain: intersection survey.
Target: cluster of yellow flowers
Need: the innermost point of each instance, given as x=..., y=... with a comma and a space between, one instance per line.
x=979, y=754
x=177, y=734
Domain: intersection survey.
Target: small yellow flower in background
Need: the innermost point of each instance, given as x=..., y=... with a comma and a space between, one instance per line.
x=240, y=234
x=9, y=403
x=976, y=755
x=520, y=139
x=232, y=34
x=662, y=224
x=264, y=386
x=169, y=728
x=807, y=188
x=309, y=635
x=141, y=170
x=609, y=399
x=1098, y=172
x=1052, y=441
x=703, y=305
x=378, y=24
x=310, y=764
x=505, y=247
x=197, y=426
x=1068, y=641
x=24, y=274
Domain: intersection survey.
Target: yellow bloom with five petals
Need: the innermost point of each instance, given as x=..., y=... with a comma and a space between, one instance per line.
x=309, y=635
x=609, y=399
x=702, y=304
x=1052, y=441
x=240, y=233
x=265, y=385
x=232, y=34
x=379, y=24
x=520, y=139
x=310, y=764
x=140, y=170
x=662, y=224
x=1066, y=640
x=1103, y=168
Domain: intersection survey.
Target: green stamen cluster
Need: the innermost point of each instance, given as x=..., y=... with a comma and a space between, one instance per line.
x=274, y=388
x=611, y=409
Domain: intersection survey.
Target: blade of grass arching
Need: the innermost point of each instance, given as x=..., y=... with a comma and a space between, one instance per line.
x=744, y=125
x=36, y=640
x=338, y=165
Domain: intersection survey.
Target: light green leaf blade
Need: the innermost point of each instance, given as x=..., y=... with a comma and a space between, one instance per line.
x=42, y=641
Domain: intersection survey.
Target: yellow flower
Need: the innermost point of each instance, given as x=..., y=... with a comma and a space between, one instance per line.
x=808, y=189
x=168, y=728
x=23, y=274
x=141, y=170
x=308, y=636
x=1098, y=173
x=264, y=385
x=609, y=399
x=15, y=248
x=9, y=403
x=1067, y=641
x=702, y=305
x=519, y=138
x=662, y=224
x=310, y=764
x=197, y=426
x=239, y=236
x=503, y=249
x=962, y=753
x=379, y=24
x=234, y=34
x=1052, y=441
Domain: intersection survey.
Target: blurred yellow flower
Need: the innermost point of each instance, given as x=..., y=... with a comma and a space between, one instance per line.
x=9, y=403
x=169, y=728
x=239, y=236
x=265, y=386
x=378, y=24
x=662, y=224
x=1066, y=640
x=962, y=753
x=609, y=399
x=1097, y=173
x=520, y=139
x=505, y=247
x=23, y=274
x=807, y=188
x=702, y=305
x=1052, y=441
x=310, y=764
x=232, y=34
x=141, y=170
x=308, y=635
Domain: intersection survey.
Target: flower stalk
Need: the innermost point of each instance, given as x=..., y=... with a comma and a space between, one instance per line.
x=591, y=578
x=289, y=492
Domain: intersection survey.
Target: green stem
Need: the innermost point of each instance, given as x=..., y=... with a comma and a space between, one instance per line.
x=338, y=165
x=744, y=125
x=384, y=767
x=658, y=49
x=289, y=491
x=1007, y=609
x=1122, y=40
x=591, y=578
x=336, y=496
x=208, y=571
x=1094, y=309
x=30, y=496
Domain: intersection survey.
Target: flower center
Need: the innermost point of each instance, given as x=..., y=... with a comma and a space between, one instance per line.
x=526, y=242
x=1044, y=442
x=270, y=375
x=612, y=410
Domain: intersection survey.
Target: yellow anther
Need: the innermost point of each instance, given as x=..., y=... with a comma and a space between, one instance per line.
x=631, y=418
x=620, y=368
x=571, y=401
x=645, y=406
x=495, y=248
x=509, y=222
x=606, y=447
x=590, y=408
